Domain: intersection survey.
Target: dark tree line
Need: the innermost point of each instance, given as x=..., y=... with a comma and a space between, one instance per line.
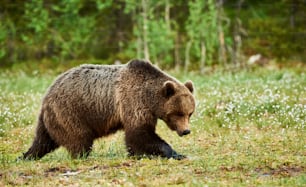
x=190, y=34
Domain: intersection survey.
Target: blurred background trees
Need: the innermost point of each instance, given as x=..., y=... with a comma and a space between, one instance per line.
x=172, y=33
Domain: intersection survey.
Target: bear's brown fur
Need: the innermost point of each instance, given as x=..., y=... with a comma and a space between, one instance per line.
x=93, y=101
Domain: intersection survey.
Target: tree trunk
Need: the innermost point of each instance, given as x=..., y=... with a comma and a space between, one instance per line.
x=145, y=29
x=292, y=13
x=177, y=59
x=139, y=47
x=222, y=51
x=167, y=14
x=203, y=57
x=237, y=39
x=187, y=55
x=167, y=20
x=237, y=36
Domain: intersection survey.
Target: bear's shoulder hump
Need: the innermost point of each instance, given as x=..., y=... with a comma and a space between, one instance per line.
x=139, y=64
x=144, y=67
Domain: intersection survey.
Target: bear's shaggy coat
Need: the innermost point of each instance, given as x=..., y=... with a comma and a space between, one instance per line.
x=93, y=101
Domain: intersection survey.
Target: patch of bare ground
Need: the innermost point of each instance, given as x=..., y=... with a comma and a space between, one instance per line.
x=281, y=171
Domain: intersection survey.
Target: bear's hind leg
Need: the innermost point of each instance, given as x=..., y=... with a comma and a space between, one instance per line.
x=42, y=143
x=80, y=149
x=69, y=132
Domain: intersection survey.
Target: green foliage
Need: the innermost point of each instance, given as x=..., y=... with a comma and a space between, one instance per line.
x=201, y=26
x=162, y=31
x=71, y=31
x=275, y=29
x=104, y=4
x=274, y=41
x=7, y=37
x=160, y=38
x=37, y=17
x=3, y=36
x=57, y=31
x=37, y=22
x=161, y=42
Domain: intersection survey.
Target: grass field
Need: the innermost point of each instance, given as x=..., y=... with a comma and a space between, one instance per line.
x=248, y=130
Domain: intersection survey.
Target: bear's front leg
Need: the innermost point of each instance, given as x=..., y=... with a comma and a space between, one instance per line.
x=141, y=141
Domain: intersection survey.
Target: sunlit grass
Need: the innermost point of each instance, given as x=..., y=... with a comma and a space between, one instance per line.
x=248, y=130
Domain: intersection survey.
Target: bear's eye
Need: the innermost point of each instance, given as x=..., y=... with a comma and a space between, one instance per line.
x=180, y=114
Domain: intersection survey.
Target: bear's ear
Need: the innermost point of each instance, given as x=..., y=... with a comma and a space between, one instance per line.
x=189, y=85
x=168, y=89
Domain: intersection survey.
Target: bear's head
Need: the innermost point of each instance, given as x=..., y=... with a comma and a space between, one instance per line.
x=178, y=106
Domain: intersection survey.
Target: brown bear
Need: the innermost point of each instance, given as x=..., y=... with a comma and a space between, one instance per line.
x=93, y=101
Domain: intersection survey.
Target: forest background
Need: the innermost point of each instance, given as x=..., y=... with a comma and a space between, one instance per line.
x=171, y=33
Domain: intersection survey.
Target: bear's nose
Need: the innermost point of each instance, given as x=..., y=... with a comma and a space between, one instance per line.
x=185, y=132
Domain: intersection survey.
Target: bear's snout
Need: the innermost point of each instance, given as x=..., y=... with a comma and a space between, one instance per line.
x=185, y=132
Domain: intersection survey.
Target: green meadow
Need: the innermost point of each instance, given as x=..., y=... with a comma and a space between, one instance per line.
x=248, y=130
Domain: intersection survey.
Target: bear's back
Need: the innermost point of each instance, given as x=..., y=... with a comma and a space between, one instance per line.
x=86, y=79
x=86, y=91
